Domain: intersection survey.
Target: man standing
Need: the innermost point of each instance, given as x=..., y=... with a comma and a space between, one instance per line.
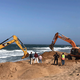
x=63, y=59
x=56, y=56
x=36, y=57
x=31, y=56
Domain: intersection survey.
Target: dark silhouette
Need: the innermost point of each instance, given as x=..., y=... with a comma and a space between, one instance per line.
x=31, y=56
x=56, y=56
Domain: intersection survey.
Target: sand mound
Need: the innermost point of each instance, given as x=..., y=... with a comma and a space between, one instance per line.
x=47, y=55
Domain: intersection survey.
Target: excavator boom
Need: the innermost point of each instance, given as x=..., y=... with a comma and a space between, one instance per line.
x=18, y=42
x=58, y=35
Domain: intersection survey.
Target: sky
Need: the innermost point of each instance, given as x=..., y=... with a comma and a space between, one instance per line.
x=37, y=21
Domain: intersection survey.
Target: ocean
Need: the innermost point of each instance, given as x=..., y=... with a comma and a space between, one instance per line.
x=13, y=53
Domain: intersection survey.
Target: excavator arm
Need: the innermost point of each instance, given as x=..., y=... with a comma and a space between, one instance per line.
x=18, y=42
x=58, y=35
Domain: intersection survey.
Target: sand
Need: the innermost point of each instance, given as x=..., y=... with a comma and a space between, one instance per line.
x=23, y=70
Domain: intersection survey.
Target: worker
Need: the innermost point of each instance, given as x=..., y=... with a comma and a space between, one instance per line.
x=31, y=58
x=36, y=58
x=63, y=59
x=40, y=59
x=56, y=56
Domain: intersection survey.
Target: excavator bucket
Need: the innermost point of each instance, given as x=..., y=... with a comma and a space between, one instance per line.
x=51, y=46
x=26, y=54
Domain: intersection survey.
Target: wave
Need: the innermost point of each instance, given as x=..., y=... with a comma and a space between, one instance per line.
x=61, y=48
x=8, y=53
x=16, y=54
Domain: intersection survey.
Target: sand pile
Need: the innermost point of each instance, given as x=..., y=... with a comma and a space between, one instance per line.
x=23, y=70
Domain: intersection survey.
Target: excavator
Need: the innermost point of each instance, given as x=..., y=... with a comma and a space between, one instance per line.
x=18, y=42
x=75, y=51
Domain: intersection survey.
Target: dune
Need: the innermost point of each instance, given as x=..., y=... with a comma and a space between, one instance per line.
x=23, y=70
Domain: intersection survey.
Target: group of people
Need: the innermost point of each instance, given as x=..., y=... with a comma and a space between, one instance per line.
x=56, y=56
x=37, y=58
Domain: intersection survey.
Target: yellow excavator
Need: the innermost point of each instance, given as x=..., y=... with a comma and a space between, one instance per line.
x=75, y=51
x=18, y=42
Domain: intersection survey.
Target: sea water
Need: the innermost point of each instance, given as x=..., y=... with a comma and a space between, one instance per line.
x=13, y=53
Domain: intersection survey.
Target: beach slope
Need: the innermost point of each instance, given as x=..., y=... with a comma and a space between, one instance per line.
x=22, y=70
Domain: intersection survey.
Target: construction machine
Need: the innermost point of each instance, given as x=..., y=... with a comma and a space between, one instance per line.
x=75, y=51
x=18, y=42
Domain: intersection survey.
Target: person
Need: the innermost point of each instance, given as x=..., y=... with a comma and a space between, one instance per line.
x=36, y=57
x=63, y=59
x=56, y=56
x=31, y=56
x=40, y=59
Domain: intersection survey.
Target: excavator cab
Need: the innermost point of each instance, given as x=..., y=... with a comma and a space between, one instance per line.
x=75, y=52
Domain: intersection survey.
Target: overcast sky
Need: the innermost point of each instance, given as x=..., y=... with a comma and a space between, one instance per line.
x=37, y=21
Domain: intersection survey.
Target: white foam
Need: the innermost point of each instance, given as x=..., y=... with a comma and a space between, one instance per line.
x=61, y=48
x=40, y=48
x=9, y=53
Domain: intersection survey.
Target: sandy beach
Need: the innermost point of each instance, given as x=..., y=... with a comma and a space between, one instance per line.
x=22, y=70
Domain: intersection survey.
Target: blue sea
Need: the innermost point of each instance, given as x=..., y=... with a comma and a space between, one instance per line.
x=13, y=53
